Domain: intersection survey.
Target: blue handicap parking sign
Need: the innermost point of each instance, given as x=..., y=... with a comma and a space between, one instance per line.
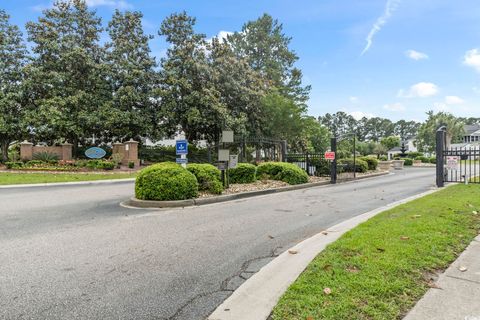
x=181, y=146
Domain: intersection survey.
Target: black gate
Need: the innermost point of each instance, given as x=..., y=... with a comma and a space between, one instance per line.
x=456, y=164
x=313, y=163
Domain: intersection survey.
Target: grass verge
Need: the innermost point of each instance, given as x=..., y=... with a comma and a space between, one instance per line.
x=33, y=178
x=380, y=269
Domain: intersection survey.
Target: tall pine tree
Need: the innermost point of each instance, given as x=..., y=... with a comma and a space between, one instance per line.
x=13, y=56
x=132, y=78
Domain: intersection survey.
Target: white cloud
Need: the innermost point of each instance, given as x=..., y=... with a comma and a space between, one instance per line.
x=222, y=35
x=390, y=7
x=118, y=4
x=395, y=107
x=359, y=115
x=420, y=90
x=353, y=99
x=416, y=55
x=472, y=59
x=454, y=100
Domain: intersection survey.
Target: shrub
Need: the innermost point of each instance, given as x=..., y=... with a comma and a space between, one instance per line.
x=371, y=162
x=166, y=181
x=117, y=159
x=408, y=161
x=414, y=155
x=347, y=165
x=423, y=159
x=45, y=156
x=433, y=160
x=322, y=167
x=14, y=164
x=208, y=177
x=243, y=173
x=36, y=164
x=286, y=172
x=131, y=164
x=106, y=165
x=383, y=158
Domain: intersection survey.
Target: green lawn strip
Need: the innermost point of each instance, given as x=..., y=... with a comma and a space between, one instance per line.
x=32, y=178
x=380, y=269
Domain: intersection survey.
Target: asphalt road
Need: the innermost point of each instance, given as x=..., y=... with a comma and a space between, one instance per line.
x=74, y=253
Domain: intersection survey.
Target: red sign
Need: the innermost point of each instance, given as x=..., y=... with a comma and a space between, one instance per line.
x=329, y=155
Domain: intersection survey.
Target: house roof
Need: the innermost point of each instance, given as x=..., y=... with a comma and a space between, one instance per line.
x=472, y=129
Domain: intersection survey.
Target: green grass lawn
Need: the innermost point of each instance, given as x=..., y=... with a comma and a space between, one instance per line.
x=27, y=178
x=380, y=269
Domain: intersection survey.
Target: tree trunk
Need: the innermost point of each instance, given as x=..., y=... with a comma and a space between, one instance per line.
x=4, y=145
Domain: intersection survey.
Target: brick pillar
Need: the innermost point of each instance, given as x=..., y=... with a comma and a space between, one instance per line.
x=26, y=150
x=131, y=153
x=118, y=148
x=67, y=151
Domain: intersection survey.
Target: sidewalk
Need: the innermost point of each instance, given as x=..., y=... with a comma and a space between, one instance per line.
x=458, y=296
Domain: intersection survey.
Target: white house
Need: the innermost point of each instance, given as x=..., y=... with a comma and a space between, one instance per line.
x=409, y=147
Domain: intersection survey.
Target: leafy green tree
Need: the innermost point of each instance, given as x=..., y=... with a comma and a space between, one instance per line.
x=426, y=139
x=189, y=98
x=13, y=56
x=132, y=79
x=376, y=128
x=315, y=138
x=266, y=48
x=390, y=142
x=339, y=123
x=406, y=129
x=66, y=81
x=240, y=87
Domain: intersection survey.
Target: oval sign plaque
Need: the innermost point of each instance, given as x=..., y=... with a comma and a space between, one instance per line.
x=95, y=153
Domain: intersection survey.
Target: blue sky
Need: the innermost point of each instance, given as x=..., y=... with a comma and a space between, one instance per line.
x=395, y=59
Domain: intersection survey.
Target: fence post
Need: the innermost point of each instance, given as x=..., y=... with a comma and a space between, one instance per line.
x=333, y=166
x=307, y=163
x=440, y=146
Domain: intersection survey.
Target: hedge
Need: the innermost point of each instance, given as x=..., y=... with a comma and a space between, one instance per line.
x=166, y=181
x=372, y=162
x=208, y=177
x=423, y=159
x=408, y=161
x=286, y=172
x=243, y=173
x=348, y=165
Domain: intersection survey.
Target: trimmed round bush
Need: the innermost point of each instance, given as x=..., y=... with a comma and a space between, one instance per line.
x=243, y=173
x=286, y=172
x=408, y=161
x=433, y=160
x=166, y=181
x=372, y=162
x=208, y=177
x=347, y=165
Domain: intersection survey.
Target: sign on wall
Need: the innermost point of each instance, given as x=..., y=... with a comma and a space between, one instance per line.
x=95, y=153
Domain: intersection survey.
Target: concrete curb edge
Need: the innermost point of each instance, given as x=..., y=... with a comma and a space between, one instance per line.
x=256, y=297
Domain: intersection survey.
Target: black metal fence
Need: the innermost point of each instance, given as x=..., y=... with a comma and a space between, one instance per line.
x=457, y=164
x=313, y=163
x=461, y=165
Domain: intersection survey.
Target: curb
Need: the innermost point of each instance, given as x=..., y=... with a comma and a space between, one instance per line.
x=256, y=297
x=145, y=204
x=57, y=184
